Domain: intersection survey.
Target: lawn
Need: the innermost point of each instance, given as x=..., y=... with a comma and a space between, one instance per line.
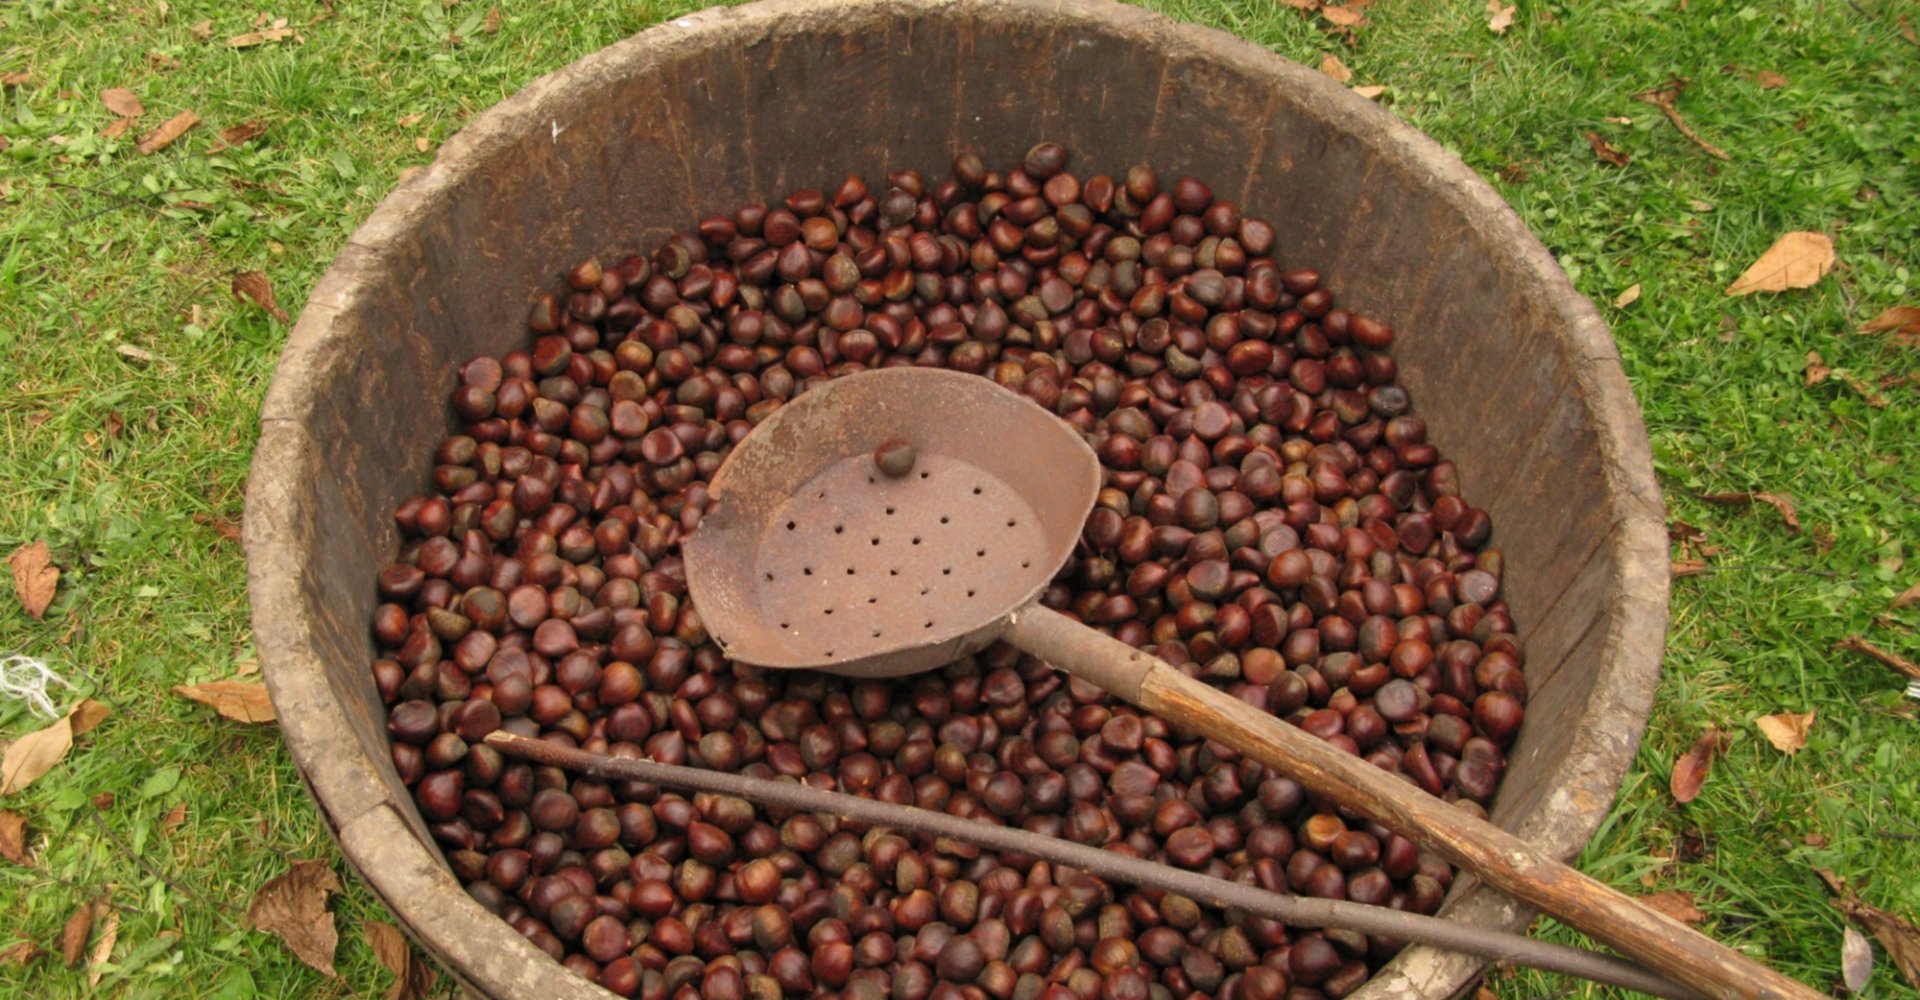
x=133, y=376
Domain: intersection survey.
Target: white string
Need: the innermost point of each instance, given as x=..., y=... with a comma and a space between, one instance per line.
x=27, y=678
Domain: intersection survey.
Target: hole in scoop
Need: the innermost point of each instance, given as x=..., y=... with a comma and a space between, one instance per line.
x=1024, y=563
x=976, y=490
x=826, y=611
x=790, y=525
x=873, y=599
x=970, y=593
x=889, y=511
x=769, y=577
x=876, y=633
x=874, y=540
x=944, y=519
x=839, y=529
x=946, y=571
x=849, y=570
x=924, y=474
x=1012, y=521
x=808, y=570
x=916, y=539
x=979, y=552
x=927, y=625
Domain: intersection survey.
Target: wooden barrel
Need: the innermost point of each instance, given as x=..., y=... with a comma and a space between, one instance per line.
x=1512, y=369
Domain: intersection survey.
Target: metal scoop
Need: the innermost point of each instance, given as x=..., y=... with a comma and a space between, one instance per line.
x=813, y=557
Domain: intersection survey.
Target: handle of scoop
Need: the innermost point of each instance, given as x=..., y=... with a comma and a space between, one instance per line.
x=1503, y=860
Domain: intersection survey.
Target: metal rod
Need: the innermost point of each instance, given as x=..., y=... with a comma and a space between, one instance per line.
x=1296, y=911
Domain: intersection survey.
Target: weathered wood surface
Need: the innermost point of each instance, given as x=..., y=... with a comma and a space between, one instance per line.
x=728, y=106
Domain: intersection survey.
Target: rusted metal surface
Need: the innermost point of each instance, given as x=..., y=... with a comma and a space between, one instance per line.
x=814, y=558
x=726, y=107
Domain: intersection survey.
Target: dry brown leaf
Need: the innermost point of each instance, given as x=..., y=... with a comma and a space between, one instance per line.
x=1796, y=260
x=492, y=23
x=225, y=527
x=413, y=979
x=122, y=102
x=241, y=134
x=103, y=948
x=1499, y=18
x=203, y=30
x=174, y=818
x=34, y=754
x=1817, y=371
x=1690, y=771
x=1913, y=38
x=1607, y=152
x=252, y=38
x=1893, y=661
x=35, y=577
x=1864, y=390
x=1787, y=731
x=117, y=128
x=1628, y=297
x=254, y=287
x=1856, y=960
x=18, y=78
x=1769, y=80
x=1903, y=322
x=422, y=143
x=1331, y=65
x=86, y=715
x=73, y=937
x=1687, y=567
x=20, y=953
x=1677, y=904
x=1306, y=5
x=294, y=906
x=13, y=839
x=1345, y=17
x=169, y=130
x=134, y=352
x=1371, y=91
x=241, y=701
x=1896, y=933
x=1779, y=503
x=1907, y=597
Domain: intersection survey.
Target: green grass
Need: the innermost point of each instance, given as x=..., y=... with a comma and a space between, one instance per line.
x=125, y=461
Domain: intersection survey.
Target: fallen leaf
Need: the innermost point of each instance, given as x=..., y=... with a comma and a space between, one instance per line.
x=1499, y=18
x=1893, y=661
x=34, y=754
x=1817, y=371
x=241, y=134
x=122, y=102
x=1903, y=322
x=1779, y=503
x=174, y=818
x=241, y=701
x=18, y=78
x=203, y=30
x=1913, y=38
x=1787, y=731
x=1865, y=391
x=1769, y=80
x=1306, y=5
x=413, y=979
x=222, y=526
x=294, y=906
x=86, y=715
x=1628, y=297
x=20, y=953
x=103, y=948
x=422, y=143
x=35, y=577
x=1908, y=597
x=1345, y=17
x=1371, y=91
x=169, y=130
x=1606, y=151
x=253, y=38
x=1896, y=933
x=492, y=23
x=1677, y=904
x=254, y=287
x=73, y=937
x=133, y=353
x=1796, y=260
x=1856, y=960
x=13, y=839
x=1617, y=120
x=1690, y=771
x=1331, y=65
x=117, y=128
x=103, y=801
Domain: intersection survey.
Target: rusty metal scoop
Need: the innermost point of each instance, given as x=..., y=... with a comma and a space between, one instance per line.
x=813, y=557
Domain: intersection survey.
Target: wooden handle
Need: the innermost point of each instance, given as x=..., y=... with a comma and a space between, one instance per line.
x=1503, y=860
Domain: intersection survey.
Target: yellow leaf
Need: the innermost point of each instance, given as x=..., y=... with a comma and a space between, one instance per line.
x=1628, y=297
x=1786, y=731
x=241, y=701
x=252, y=38
x=1331, y=65
x=1796, y=260
x=1371, y=92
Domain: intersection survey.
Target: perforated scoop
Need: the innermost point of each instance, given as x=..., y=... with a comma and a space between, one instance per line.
x=814, y=557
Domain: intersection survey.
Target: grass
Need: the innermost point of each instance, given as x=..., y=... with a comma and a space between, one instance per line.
x=132, y=379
